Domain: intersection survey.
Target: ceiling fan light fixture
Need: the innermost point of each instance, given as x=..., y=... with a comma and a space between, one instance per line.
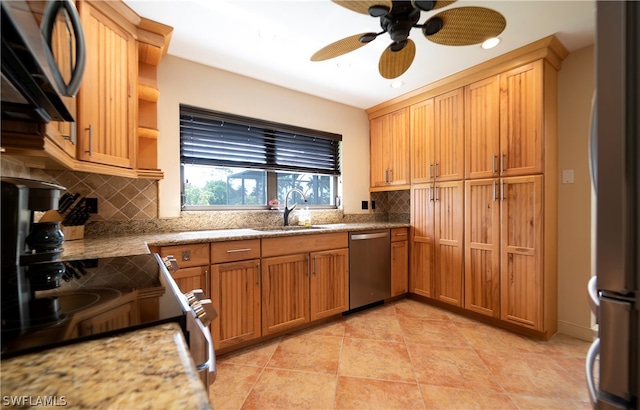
x=367, y=37
x=378, y=10
x=424, y=5
x=432, y=26
x=490, y=43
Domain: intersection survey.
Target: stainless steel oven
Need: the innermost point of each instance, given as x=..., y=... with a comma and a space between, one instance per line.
x=70, y=301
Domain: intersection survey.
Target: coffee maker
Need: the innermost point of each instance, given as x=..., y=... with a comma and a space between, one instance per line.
x=20, y=199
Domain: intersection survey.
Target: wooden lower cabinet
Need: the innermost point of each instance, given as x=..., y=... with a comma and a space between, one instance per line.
x=235, y=293
x=329, y=284
x=399, y=262
x=285, y=292
x=482, y=247
x=437, y=241
x=503, y=249
x=521, y=255
x=189, y=279
x=297, y=289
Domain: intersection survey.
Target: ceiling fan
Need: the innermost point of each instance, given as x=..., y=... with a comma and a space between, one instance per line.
x=460, y=26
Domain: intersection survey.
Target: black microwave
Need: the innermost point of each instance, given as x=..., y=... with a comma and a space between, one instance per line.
x=43, y=59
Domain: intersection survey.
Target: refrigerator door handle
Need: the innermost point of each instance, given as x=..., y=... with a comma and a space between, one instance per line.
x=593, y=352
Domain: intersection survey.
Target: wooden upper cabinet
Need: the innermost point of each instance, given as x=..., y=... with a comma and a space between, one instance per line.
x=521, y=120
x=482, y=128
x=107, y=100
x=449, y=136
x=389, y=149
x=422, y=140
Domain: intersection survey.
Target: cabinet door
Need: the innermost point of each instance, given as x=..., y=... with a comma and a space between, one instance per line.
x=107, y=98
x=189, y=279
x=235, y=293
x=399, y=268
x=482, y=128
x=422, y=141
x=398, y=146
x=449, y=136
x=285, y=292
x=482, y=247
x=449, y=265
x=379, y=161
x=521, y=253
x=422, y=239
x=329, y=283
x=521, y=120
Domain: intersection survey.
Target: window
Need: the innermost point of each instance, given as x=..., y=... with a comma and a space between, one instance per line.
x=238, y=162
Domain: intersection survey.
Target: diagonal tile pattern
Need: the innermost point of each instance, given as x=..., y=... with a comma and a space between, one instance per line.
x=404, y=355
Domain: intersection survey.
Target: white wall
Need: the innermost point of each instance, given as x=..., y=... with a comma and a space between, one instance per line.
x=184, y=82
x=576, y=82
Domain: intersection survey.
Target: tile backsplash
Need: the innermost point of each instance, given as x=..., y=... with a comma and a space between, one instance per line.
x=130, y=206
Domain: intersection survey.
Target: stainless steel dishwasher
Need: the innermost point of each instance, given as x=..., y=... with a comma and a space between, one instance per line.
x=369, y=267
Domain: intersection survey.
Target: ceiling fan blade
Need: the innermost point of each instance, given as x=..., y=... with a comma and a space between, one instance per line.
x=442, y=3
x=464, y=26
x=362, y=6
x=394, y=63
x=339, y=47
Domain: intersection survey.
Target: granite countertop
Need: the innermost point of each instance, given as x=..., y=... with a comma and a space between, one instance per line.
x=145, y=369
x=124, y=245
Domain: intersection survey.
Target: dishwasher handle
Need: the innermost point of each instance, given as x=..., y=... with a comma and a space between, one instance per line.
x=364, y=236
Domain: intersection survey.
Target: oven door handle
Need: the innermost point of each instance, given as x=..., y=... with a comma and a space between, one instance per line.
x=209, y=366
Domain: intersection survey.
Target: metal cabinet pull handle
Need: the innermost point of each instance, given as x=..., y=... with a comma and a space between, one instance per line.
x=436, y=168
x=502, y=194
x=495, y=191
x=390, y=175
x=239, y=250
x=90, y=129
x=502, y=163
x=308, y=266
x=314, y=266
x=259, y=274
x=495, y=160
x=207, y=281
x=437, y=196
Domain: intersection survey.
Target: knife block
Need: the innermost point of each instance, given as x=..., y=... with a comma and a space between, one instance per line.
x=70, y=232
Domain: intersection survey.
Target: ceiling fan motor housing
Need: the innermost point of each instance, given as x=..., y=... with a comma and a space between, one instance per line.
x=399, y=21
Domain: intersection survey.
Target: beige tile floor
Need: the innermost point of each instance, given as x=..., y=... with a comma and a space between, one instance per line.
x=404, y=355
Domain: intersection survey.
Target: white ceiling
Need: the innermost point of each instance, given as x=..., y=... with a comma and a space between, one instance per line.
x=226, y=35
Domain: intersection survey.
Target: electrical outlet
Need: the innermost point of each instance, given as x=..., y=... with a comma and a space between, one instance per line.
x=365, y=204
x=373, y=204
x=92, y=205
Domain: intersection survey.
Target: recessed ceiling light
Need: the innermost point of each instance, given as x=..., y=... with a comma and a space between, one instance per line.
x=490, y=43
x=397, y=84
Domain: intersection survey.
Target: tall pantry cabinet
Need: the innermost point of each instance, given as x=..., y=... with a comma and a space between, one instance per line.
x=483, y=150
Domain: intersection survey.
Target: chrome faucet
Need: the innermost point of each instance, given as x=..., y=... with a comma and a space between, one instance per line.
x=288, y=210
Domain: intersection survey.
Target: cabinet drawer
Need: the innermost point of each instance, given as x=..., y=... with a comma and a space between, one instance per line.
x=399, y=234
x=291, y=245
x=235, y=250
x=188, y=255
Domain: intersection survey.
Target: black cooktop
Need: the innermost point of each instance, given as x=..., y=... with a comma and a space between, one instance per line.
x=64, y=302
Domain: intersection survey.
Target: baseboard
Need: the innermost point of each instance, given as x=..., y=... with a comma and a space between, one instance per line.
x=580, y=332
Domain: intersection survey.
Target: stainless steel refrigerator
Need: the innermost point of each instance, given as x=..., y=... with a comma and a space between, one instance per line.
x=615, y=163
